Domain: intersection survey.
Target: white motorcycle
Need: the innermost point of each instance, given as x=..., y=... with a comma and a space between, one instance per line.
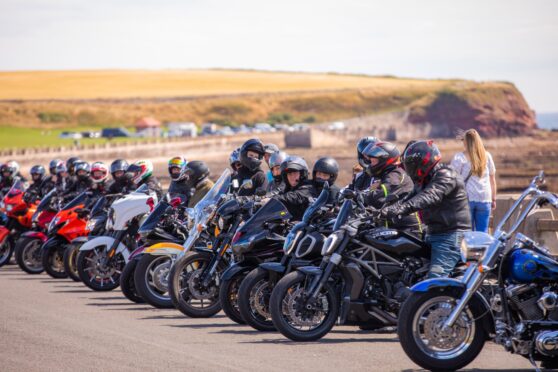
x=101, y=260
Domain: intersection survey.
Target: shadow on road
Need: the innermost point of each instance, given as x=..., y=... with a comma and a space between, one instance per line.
x=109, y=303
x=161, y=317
x=201, y=326
x=478, y=370
x=321, y=341
x=72, y=291
x=120, y=298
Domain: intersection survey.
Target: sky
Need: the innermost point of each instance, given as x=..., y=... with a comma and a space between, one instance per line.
x=511, y=40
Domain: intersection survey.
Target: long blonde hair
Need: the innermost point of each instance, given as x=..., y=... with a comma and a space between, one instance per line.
x=476, y=152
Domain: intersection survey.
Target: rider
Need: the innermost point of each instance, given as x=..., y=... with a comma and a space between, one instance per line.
x=62, y=178
x=196, y=173
x=326, y=169
x=383, y=164
x=141, y=173
x=234, y=161
x=275, y=161
x=178, y=183
x=37, y=189
x=99, y=175
x=441, y=198
x=70, y=166
x=10, y=172
x=270, y=149
x=82, y=182
x=299, y=190
x=118, y=172
x=362, y=181
x=251, y=155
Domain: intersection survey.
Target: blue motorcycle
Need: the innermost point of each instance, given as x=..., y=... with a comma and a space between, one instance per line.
x=509, y=294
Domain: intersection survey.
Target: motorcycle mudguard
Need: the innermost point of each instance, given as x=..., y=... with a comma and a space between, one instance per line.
x=164, y=249
x=236, y=269
x=4, y=232
x=136, y=253
x=273, y=266
x=310, y=270
x=435, y=283
x=106, y=241
x=51, y=243
x=81, y=240
x=35, y=235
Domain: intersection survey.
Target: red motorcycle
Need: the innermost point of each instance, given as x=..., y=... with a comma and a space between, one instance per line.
x=19, y=215
x=28, y=247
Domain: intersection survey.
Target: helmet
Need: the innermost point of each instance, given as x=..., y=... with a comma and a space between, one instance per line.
x=37, y=170
x=256, y=146
x=61, y=168
x=82, y=165
x=387, y=154
x=177, y=162
x=140, y=170
x=294, y=164
x=420, y=158
x=70, y=163
x=326, y=165
x=276, y=159
x=12, y=167
x=118, y=165
x=195, y=171
x=99, y=167
x=361, y=145
x=234, y=159
x=270, y=148
x=52, y=165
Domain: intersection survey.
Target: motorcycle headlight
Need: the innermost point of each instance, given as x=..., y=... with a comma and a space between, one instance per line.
x=91, y=224
x=332, y=242
x=221, y=223
x=53, y=223
x=9, y=207
x=474, y=245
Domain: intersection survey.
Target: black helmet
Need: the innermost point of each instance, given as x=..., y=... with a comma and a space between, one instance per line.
x=361, y=145
x=294, y=163
x=70, y=164
x=118, y=165
x=387, y=154
x=420, y=158
x=195, y=171
x=61, y=168
x=326, y=165
x=82, y=165
x=234, y=159
x=37, y=170
x=256, y=146
x=52, y=166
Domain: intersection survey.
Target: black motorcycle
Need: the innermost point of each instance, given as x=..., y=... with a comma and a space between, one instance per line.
x=362, y=280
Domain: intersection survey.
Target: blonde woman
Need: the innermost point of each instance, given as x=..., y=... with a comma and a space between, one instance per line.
x=477, y=168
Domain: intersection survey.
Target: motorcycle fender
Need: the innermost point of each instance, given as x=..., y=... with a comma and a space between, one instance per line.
x=137, y=252
x=310, y=270
x=234, y=270
x=4, y=232
x=108, y=242
x=273, y=266
x=439, y=283
x=52, y=242
x=81, y=240
x=34, y=235
x=164, y=249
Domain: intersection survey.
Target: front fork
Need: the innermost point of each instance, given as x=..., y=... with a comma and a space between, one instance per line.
x=318, y=282
x=473, y=279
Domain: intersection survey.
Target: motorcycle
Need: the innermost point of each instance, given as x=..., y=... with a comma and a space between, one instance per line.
x=302, y=247
x=100, y=261
x=27, y=251
x=445, y=322
x=18, y=213
x=68, y=224
x=362, y=279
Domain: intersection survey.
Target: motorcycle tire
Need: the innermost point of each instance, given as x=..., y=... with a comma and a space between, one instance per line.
x=284, y=288
x=151, y=280
x=70, y=262
x=99, y=280
x=415, y=305
x=180, y=293
x=53, y=261
x=253, y=300
x=228, y=296
x=6, y=251
x=127, y=284
x=28, y=255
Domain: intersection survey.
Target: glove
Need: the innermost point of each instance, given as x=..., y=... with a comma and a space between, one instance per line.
x=392, y=211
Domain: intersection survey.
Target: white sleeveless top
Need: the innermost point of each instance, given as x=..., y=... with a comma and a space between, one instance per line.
x=478, y=188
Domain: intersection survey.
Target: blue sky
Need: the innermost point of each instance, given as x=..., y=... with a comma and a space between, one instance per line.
x=508, y=40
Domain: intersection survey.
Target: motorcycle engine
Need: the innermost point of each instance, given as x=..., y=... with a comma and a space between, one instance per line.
x=533, y=302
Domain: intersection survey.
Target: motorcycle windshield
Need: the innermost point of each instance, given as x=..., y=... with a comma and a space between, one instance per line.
x=154, y=217
x=343, y=215
x=99, y=207
x=17, y=188
x=143, y=189
x=80, y=199
x=212, y=197
x=318, y=203
x=45, y=201
x=273, y=210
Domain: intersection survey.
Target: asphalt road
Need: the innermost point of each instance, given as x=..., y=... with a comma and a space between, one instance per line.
x=60, y=325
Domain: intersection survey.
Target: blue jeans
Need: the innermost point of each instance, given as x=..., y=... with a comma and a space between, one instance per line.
x=445, y=253
x=480, y=215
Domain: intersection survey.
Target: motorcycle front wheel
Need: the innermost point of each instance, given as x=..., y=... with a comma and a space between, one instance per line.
x=6, y=251
x=97, y=272
x=28, y=255
x=187, y=291
x=295, y=317
x=53, y=259
x=70, y=262
x=127, y=283
x=151, y=278
x=424, y=340
x=253, y=300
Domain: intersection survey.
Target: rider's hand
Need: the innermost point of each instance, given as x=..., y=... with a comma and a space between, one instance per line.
x=390, y=212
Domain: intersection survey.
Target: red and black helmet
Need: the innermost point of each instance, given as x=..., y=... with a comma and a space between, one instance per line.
x=420, y=158
x=386, y=153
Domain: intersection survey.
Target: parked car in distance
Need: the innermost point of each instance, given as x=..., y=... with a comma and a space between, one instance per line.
x=90, y=134
x=337, y=125
x=300, y=126
x=283, y=127
x=182, y=130
x=225, y=131
x=208, y=129
x=115, y=132
x=70, y=135
x=264, y=128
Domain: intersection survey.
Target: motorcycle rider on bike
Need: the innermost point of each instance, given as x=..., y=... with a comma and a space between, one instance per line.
x=118, y=172
x=82, y=182
x=326, y=169
x=441, y=198
x=362, y=180
x=37, y=189
x=99, y=176
x=270, y=149
x=10, y=173
x=234, y=161
x=141, y=173
x=384, y=165
x=196, y=175
x=179, y=184
x=276, y=159
x=251, y=155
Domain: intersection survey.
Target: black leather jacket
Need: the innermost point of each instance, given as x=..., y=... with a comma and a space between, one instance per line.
x=180, y=188
x=258, y=177
x=298, y=199
x=361, y=182
x=442, y=202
